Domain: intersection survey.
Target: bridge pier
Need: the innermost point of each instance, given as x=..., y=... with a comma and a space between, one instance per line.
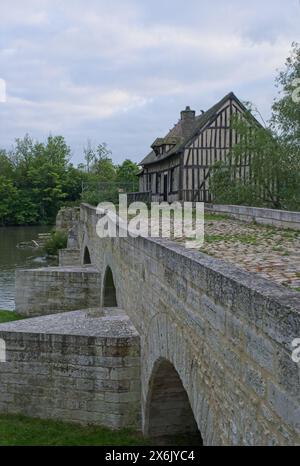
x=52, y=290
x=81, y=366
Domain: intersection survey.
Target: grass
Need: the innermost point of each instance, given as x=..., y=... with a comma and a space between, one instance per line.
x=210, y=217
x=8, y=316
x=16, y=430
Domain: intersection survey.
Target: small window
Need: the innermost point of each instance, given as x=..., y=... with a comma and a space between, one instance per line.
x=87, y=257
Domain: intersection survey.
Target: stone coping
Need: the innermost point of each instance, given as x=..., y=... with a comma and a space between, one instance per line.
x=283, y=218
x=114, y=323
x=250, y=280
x=273, y=213
x=177, y=256
x=69, y=268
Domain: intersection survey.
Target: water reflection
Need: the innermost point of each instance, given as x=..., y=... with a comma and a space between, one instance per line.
x=12, y=257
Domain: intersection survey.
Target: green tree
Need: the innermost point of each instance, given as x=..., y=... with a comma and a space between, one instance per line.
x=100, y=180
x=127, y=175
x=8, y=197
x=40, y=178
x=45, y=175
x=103, y=166
x=272, y=152
x=37, y=178
x=285, y=119
x=89, y=157
x=6, y=166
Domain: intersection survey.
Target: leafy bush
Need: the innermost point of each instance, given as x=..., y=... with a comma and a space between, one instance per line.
x=95, y=196
x=57, y=241
x=271, y=153
x=9, y=316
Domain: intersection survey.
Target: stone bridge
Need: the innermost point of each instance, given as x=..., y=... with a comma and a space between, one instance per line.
x=147, y=334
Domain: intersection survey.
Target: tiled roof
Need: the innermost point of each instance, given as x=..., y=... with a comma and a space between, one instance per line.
x=184, y=133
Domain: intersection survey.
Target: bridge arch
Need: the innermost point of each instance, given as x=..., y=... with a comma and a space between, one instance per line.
x=169, y=415
x=167, y=339
x=109, y=296
x=86, y=256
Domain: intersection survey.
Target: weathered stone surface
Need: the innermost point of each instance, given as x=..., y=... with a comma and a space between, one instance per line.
x=69, y=257
x=272, y=253
x=225, y=334
x=56, y=289
x=65, y=375
x=277, y=218
x=66, y=218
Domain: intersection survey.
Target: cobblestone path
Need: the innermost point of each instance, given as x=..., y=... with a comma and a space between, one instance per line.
x=273, y=253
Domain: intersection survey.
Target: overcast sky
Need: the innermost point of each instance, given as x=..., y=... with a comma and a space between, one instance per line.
x=120, y=71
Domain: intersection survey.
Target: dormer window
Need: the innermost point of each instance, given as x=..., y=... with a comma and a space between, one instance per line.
x=163, y=145
x=156, y=146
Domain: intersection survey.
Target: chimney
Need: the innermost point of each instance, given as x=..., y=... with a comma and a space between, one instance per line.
x=188, y=118
x=188, y=114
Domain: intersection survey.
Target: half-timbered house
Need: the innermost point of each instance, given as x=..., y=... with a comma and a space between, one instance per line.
x=179, y=164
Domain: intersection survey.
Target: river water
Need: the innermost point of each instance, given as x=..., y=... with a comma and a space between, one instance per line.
x=12, y=257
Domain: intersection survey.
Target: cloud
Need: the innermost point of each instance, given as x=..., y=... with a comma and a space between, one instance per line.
x=121, y=71
x=18, y=12
x=78, y=104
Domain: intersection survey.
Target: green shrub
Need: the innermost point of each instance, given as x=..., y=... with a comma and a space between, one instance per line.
x=94, y=196
x=8, y=316
x=57, y=241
